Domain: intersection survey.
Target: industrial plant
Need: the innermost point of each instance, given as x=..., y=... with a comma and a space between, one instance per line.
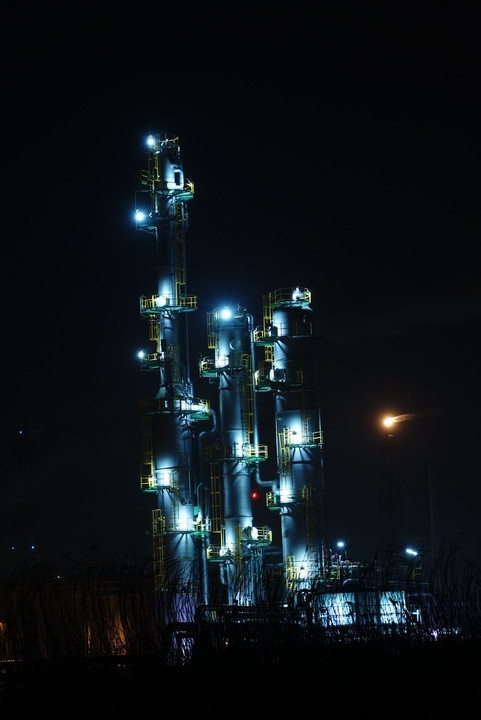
x=241, y=572
x=203, y=527
x=205, y=459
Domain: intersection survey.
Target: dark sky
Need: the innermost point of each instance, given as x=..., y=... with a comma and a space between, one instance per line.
x=338, y=150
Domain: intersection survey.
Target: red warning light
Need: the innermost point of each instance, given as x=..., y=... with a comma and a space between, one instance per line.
x=254, y=495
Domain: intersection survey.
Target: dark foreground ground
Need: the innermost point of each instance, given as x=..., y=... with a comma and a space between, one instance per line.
x=442, y=680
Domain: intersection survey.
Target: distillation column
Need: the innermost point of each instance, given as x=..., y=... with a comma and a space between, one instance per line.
x=168, y=467
x=293, y=378
x=231, y=336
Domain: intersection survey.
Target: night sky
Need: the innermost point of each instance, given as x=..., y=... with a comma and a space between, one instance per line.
x=336, y=150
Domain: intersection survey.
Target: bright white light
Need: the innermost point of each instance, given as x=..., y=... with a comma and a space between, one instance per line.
x=296, y=433
x=222, y=361
x=160, y=301
x=226, y=313
x=150, y=141
x=186, y=520
x=341, y=544
x=297, y=294
x=410, y=551
x=141, y=354
x=286, y=496
x=226, y=550
x=163, y=478
x=254, y=533
x=139, y=215
x=189, y=406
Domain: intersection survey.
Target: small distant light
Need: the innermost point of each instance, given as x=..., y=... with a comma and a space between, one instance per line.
x=141, y=354
x=139, y=216
x=297, y=294
x=410, y=551
x=151, y=141
x=32, y=547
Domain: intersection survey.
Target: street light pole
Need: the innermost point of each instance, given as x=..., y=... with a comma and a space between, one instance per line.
x=429, y=491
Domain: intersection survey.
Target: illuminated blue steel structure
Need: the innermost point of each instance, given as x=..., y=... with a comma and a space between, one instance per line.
x=290, y=372
x=199, y=526
x=170, y=458
x=239, y=552
x=210, y=555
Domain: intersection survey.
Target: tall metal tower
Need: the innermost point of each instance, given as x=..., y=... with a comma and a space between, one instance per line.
x=290, y=372
x=239, y=548
x=170, y=459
